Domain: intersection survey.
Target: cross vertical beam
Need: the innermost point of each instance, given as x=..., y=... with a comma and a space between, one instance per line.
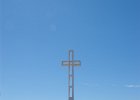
x=71, y=63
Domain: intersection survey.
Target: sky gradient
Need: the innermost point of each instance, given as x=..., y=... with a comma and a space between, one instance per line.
x=35, y=36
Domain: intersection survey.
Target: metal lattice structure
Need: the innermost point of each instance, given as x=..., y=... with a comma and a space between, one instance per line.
x=70, y=63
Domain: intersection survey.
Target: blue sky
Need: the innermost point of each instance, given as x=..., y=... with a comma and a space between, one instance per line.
x=35, y=36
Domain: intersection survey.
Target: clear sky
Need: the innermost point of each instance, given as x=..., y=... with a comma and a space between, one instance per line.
x=35, y=36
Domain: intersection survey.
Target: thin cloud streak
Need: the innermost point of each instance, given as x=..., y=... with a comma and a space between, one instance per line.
x=132, y=86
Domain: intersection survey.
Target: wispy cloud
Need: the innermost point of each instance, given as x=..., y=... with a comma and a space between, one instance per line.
x=86, y=84
x=53, y=27
x=132, y=86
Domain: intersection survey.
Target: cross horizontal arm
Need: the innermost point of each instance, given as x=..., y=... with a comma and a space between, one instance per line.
x=71, y=63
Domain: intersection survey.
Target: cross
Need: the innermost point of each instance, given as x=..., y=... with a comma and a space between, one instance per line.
x=71, y=63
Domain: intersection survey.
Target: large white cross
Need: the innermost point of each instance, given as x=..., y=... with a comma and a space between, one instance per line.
x=71, y=63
